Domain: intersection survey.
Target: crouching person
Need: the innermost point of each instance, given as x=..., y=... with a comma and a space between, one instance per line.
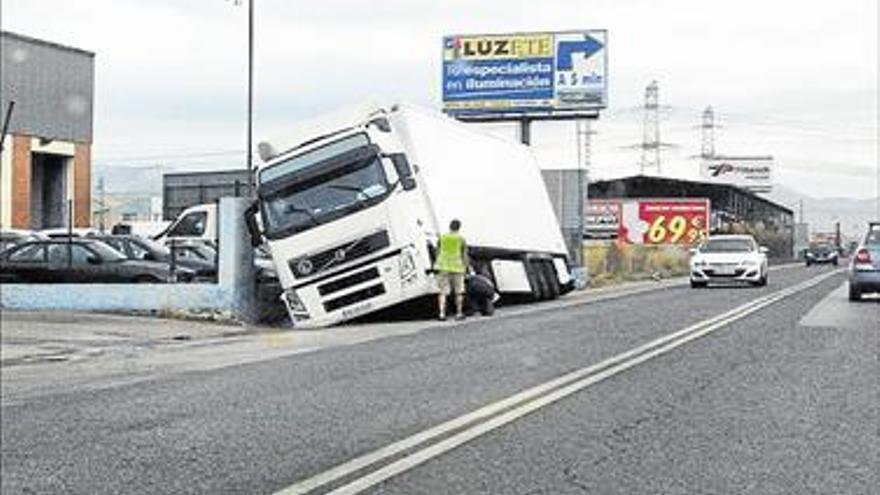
x=480, y=294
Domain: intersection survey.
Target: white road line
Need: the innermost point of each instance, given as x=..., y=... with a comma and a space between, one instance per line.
x=499, y=413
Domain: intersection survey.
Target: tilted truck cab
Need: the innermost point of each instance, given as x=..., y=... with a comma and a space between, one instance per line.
x=353, y=207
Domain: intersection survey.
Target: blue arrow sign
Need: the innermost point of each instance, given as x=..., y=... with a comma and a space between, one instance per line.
x=566, y=49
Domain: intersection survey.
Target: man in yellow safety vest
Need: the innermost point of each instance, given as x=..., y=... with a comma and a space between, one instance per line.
x=450, y=266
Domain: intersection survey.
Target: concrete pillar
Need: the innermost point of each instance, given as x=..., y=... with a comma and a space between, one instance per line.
x=235, y=271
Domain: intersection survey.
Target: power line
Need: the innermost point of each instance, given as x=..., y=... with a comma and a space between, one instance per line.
x=200, y=154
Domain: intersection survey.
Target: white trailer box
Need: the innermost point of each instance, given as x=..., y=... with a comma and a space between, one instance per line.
x=352, y=209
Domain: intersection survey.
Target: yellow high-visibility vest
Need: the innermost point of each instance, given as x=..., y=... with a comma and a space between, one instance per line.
x=450, y=258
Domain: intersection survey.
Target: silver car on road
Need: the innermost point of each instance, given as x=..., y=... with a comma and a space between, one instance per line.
x=864, y=268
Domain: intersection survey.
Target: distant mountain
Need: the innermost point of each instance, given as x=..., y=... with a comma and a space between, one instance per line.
x=138, y=180
x=822, y=213
x=131, y=180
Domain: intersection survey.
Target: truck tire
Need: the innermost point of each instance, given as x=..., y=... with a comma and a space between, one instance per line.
x=552, y=279
x=536, y=279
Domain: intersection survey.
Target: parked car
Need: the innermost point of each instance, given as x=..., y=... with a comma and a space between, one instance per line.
x=9, y=238
x=139, y=248
x=864, y=268
x=194, y=249
x=729, y=258
x=79, y=260
x=62, y=232
x=820, y=253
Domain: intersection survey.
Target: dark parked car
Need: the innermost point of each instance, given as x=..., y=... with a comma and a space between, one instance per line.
x=864, y=268
x=79, y=260
x=139, y=248
x=821, y=253
x=9, y=238
x=197, y=250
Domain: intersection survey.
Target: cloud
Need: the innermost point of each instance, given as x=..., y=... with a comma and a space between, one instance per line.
x=791, y=78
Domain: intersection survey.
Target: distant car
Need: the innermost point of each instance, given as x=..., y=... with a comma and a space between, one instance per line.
x=200, y=250
x=864, y=268
x=729, y=258
x=821, y=253
x=79, y=260
x=139, y=248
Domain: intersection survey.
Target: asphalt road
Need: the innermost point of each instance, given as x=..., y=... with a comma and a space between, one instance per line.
x=782, y=400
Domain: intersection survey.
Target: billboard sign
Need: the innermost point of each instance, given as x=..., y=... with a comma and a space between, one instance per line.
x=601, y=219
x=525, y=72
x=751, y=173
x=679, y=221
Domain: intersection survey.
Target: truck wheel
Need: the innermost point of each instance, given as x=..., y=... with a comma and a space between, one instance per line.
x=552, y=279
x=536, y=279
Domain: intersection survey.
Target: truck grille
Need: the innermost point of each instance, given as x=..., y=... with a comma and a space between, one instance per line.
x=354, y=297
x=305, y=266
x=348, y=281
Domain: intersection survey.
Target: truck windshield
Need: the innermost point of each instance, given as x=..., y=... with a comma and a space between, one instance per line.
x=331, y=193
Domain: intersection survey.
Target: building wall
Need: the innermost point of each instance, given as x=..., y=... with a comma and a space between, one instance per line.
x=21, y=182
x=82, y=185
x=52, y=87
x=6, y=183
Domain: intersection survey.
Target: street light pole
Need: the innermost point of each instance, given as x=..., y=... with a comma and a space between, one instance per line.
x=250, y=103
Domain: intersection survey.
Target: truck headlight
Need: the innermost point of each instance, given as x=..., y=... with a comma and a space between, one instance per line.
x=294, y=303
x=407, y=265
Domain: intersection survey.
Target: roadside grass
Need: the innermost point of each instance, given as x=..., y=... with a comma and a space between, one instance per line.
x=610, y=263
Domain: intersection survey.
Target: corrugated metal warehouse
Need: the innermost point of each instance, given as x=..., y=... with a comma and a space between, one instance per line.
x=45, y=166
x=182, y=190
x=732, y=207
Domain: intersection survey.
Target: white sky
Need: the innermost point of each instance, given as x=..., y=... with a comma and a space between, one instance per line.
x=792, y=78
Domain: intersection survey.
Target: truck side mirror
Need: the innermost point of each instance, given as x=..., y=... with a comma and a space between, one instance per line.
x=404, y=171
x=381, y=123
x=250, y=219
x=408, y=183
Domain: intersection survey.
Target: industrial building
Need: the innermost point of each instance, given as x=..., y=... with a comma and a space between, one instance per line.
x=733, y=209
x=45, y=166
x=184, y=189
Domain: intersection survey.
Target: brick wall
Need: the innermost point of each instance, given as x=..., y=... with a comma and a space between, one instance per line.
x=82, y=185
x=21, y=182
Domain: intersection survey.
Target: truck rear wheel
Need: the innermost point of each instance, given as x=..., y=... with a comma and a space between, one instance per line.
x=537, y=281
x=552, y=279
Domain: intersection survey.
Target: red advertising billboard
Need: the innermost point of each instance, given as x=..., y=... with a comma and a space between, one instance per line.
x=682, y=221
x=674, y=221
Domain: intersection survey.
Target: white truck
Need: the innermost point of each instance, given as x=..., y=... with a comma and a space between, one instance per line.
x=196, y=223
x=353, y=206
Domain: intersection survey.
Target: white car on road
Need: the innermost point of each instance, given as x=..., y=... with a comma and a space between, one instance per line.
x=729, y=258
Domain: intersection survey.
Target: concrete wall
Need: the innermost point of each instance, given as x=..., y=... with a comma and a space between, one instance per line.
x=233, y=295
